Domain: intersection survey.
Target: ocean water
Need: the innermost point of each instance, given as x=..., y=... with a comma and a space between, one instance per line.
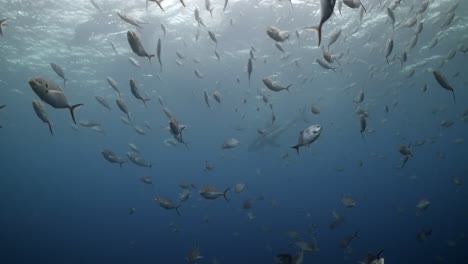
x=62, y=202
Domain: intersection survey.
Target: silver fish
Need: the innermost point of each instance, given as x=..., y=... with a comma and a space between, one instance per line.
x=324, y=65
x=42, y=114
x=388, y=49
x=225, y=4
x=113, y=47
x=129, y=20
x=274, y=86
x=276, y=34
x=198, y=18
x=136, y=92
x=354, y=4
x=52, y=94
x=57, y=69
x=158, y=52
x=113, y=84
x=207, y=100
x=217, y=96
x=2, y=24
x=210, y=192
x=103, y=102
x=110, y=156
x=198, y=74
x=166, y=203
x=249, y=69
x=392, y=17
x=448, y=20
x=137, y=46
x=334, y=37
x=163, y=29
x=213, y=38
x=208, y=7
x=308, y=136
x=134, y=62
x=326, y=11
x=138, y=160
x=123, y=107
x=444, y=82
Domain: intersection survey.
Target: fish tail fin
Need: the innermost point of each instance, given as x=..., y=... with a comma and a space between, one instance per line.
x=387, y=60
x=453, y=93
x=287, y=88
x=122, y=162
x=319, y=32
x=211, y=12
x=128, y=115
x=362, y=135
x=50, y=128
x=149, y=58
x=297, y=148
x=225, y=192
x=356, y=235
x=64, y=82
x=144, y=102
x=72, y=109
x=363, y=6
x=177, y=209
x=380, y=253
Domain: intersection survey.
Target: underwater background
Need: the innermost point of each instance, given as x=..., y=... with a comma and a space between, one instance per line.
x=62, y=202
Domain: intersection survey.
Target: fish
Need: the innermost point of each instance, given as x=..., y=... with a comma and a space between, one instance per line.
x=338, y=220
x=326, y=11
x=213, y=38
x=89, y=123
x=443, y=82
x=448, y=20
x=388, y=49
x=136, y=92
x=158, y=53
x=308, y=136
x=314, y=109
x=129, y=20
x=198, y=18
x=134, y=62
x=354, y=4
x=423, y=234
x=123, y=107
x=163, y=28
x=136, y=45
x=194, y=255
x=211, y=193
x=166, y=203
x=279, y=47
x=103, y=102
x=371, y=258
x=176, y=131
x=52, y=94
x=110, y=156
x=230, y=143
x=180, y=55
x=249, y=69
x=274, y=86
x=423, y=7
x=276, y=34
x=138, y=160
x=198, y=74
x=2, y=106
x=42, y=114
x=345, y=242
x=348, y=201
x=113, y=84
x=217, y=96
x=208, y=7
x=182, y=2
x=225, y=4
x=334, y=37
x=362, y=124
x=2, y=24
x=207, y=100
x=113, y=47
x=359, y=98
x=413, y=41
x=57, y=69
x=392, y=17
x=93, y=2
x=324, y=64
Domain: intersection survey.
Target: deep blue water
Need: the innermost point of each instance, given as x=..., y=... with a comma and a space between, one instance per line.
x=62, y=202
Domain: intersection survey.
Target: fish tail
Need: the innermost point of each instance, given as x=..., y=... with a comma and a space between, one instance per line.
x=363, y=6
x=356, y=235
x=50, y=128
x=122, y=162
x=144, y=102
x=319, y=31
x=177, y=209
x=149, y=57
x=297, y=148
x=453, y=93
x=128, y=115
x=225, y=192
x=72, y=109
x=380, y=253
x=211, y=12
x=287, y=88
x=387, y=60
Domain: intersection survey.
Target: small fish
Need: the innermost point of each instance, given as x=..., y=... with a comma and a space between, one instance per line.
x=249, y=69
x=225, y=4
x=2, y=24
x=129, y=20
x=388, y=49
x=113, y=84
x=134, y=62
x=103, y=102
x=208, y=7
x=324, y=64
x=207, y=100
x=137, y=46
x=110, y=156
x=166, y=203
x=123, y=107
x=213, y=38
x=198, y=18
x=217, y=96
x=362, y=124
x=354, y=4
x=136, y=92
x=93, y=2
x=158, y=2
x=326, y=11
x=392, y=17
x=279, y=47
x=138, y=160
x=211, y=193
x=448, y=20
x=334, y=37
x=230, y=143
x=308, y=136
x=182, y=2
x=194, y=255
x=42, y=114
x=163, y=29
x=158, y=53
x=59, y=71
x=315, y=110
x=113, y=47
x=274, y=86
x=443, y=82
x=198, y=74
x=217, y=55
x=276, y=34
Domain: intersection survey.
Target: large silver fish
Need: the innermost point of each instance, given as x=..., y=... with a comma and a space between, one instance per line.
x=326, y=11
x=274, y=86
x=308, y=136
x=52, y=94
x=137, y=46
x=136, y=92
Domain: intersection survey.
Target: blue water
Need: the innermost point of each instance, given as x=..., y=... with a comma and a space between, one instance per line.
x=62, y=202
